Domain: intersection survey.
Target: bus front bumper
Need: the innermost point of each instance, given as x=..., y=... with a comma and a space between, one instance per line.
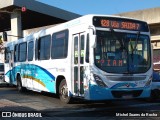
x=99, y=93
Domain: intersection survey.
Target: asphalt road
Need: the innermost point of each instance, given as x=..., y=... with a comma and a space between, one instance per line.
x=49, y=106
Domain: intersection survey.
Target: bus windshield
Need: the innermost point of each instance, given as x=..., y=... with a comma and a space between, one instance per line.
x=118, y=52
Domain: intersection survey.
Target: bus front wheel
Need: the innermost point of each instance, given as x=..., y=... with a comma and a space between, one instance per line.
x=63, y=92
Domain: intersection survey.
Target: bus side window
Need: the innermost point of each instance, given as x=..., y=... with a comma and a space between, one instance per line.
x=6, y=57
x=16, y=53
x=22, y=51
x=30, y=50
x=87, y=49
x=60, y=45
x=44, y=47
x=36, y=49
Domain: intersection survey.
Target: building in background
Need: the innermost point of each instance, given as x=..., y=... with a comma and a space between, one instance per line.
x=22, y=17
x=17, y=16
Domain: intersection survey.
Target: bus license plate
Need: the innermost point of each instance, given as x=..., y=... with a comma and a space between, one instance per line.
x=127, y=96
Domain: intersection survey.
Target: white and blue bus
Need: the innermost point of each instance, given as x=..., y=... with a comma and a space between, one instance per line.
x=95, y=57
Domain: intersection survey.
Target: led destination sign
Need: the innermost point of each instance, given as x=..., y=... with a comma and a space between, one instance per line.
x=120, y=23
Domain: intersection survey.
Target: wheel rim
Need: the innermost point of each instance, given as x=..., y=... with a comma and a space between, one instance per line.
x=64, y=91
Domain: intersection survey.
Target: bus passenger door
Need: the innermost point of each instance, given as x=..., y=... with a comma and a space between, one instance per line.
x=78, y=64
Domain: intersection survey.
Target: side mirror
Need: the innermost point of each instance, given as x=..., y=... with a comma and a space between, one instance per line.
x=93, y=41
x=4, y=35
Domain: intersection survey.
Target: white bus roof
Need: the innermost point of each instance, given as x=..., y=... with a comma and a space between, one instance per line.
x=81, y=20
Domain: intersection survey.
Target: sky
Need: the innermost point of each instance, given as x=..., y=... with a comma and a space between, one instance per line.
x=109, y=7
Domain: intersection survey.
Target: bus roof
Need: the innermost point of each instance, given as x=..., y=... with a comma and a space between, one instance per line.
x=71, y=23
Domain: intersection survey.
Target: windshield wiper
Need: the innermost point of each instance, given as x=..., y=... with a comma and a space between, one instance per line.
x=135, y=46
x=136, y=42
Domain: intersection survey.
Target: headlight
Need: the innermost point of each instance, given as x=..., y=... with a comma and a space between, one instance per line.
x=99, y=81
x=148, y=82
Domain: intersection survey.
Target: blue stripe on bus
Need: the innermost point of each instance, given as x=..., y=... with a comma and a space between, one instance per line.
x=122, y=85
x=35, y=72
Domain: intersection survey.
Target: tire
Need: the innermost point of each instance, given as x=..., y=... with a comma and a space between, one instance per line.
x=155, y=94
x=63, y=92
x=19, y=85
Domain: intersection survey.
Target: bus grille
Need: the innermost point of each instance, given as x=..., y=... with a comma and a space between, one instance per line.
x=120, y=94
x=125, y=78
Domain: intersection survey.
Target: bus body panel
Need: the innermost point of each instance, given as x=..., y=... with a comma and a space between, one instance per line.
x=42, y=75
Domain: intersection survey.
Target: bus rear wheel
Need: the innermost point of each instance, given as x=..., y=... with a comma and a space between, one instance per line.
x=63, y=92
x=19, y=85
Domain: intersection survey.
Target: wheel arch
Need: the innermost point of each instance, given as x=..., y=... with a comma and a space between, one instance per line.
x=58, y=81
